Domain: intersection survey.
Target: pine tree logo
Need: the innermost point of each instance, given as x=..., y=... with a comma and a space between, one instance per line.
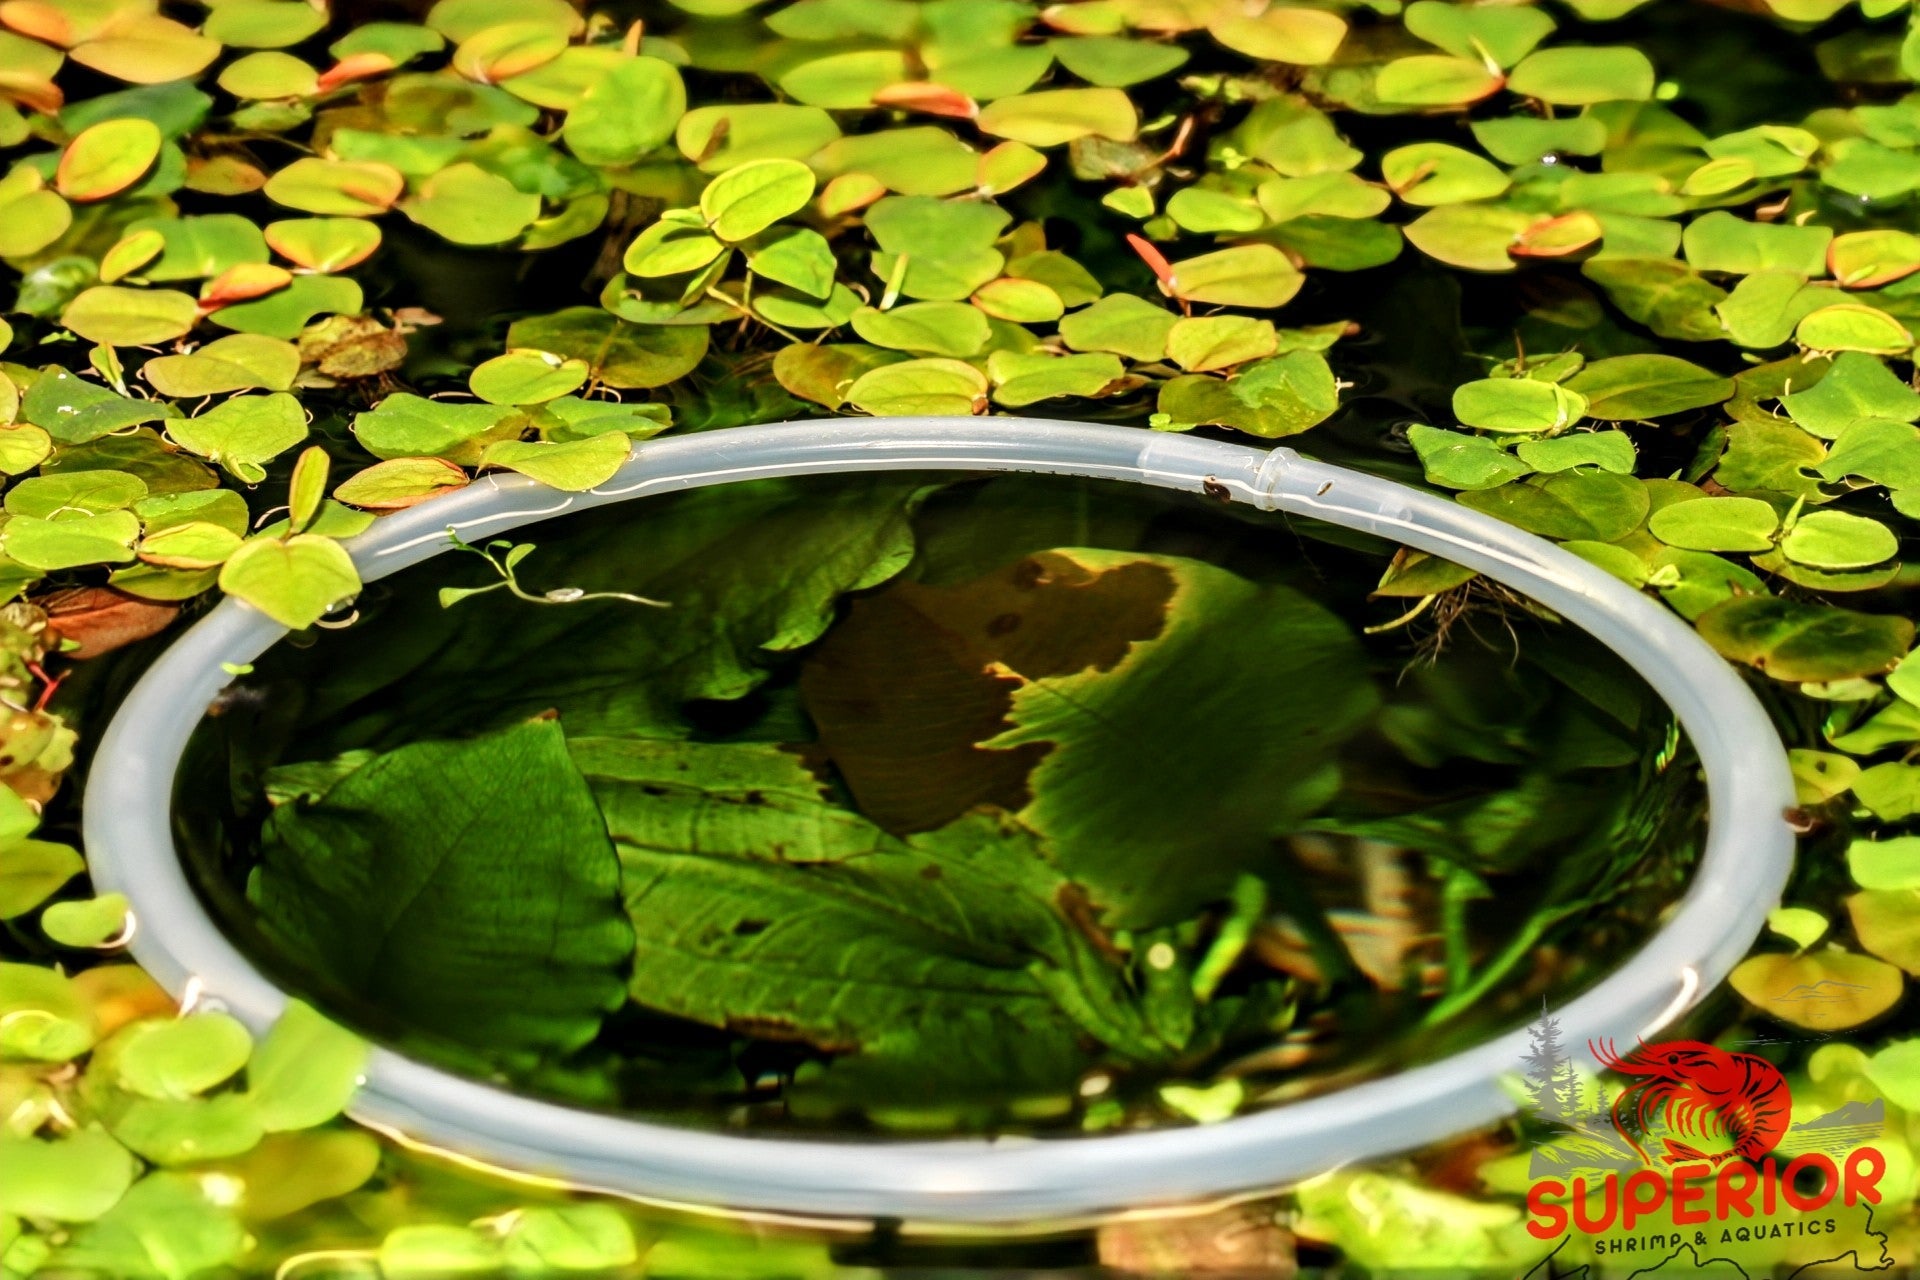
x=1553, y=1089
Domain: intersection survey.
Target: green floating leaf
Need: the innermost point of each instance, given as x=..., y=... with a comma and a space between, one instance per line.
x=1505, y=35
x=1114, y=62
x=1838, y=540
x=1122, y=324
x=570, y=1238
x=408, y=426
x=933, y=328
x=467, y=205
x=1850, y=326
x=1608, y=450
x=73, y=410
x=181, y=1057
x=1280, y=396
x=1716, y=524
x=241, y=362
x=241, y=433
x=1864, y=988
x=71, y=542
x=87, y=923
x=336, y=187
x=1474, y=237
x=74, y=1178
x=576, y=466
x=107, y=158
x=1247, y=275
x=619, y=354
x=1592, y=506
x=304, y=1071
x=323, y=244
x=295, y=582
x=1517, y=405
x=117, y=316
x=1854, y=388
x=1889, y=863
x=505, y=935
x=1027, y=379
x=1431, y=80
x=285, y=313
x=932, y=387
x=1056, y=116
x=31, y=871
x=718, y=138
x=1667, y=296
x=1870, y=259
x=1456, y=460
x=526, y=377
x=1794, y=640
x=1301, y=36
x=1433, y=173
x=399, y=483
x=1575, y=76
x=1719, y=241
x=1630, y=388
x=747, y=199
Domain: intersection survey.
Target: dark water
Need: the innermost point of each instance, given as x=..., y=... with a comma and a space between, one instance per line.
x=1436, y=827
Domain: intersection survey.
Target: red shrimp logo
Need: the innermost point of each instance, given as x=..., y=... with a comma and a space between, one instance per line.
x=1697, y=1092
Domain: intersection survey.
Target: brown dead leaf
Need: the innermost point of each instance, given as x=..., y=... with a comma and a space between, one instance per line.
x=99, y=620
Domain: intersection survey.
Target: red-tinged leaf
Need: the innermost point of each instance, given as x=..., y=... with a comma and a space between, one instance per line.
x=1557, y=237
x=237, y=284
x=357, y=66
x=99, y=619
x=1152, y=257
x=931, y=99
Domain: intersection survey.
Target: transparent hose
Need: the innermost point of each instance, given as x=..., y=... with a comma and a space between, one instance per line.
x=1004, y=1181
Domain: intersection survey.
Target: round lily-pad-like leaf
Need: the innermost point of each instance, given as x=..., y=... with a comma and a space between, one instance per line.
x=1456, y=460
x=1023, y=379
x=1630, y=388
x=107, y=158
x=459, y=20
x=1114, y=62
x=31, y=216
x=1121, y=323
x=915, y=388
x=70, y=542
x=1303, y=37
x=337, y=187
x=526, y=377
x=1892, y=863
x=67, y=493
x=324, y=244
x=747, y=199
x=1434, y=173
x=1244, y=275
x=181, y=1057
x=193, y=544
x=243, y=432
x=239, y=362
x=466, y=204
x=627, y=356
x=1524, y=406
x=269, y=74
x=115, y=316
x=673, y=246
x=1503, y=33
x=33, y=871
x=1020, y=301
x=400, y=483
x=304, y=1072
x=930, y=328
x=1476, y=237
x=1887, y=922
x=1435, y=80
x=626, y=112
x=263, y=24
x=1577, y=76
x=575, y=465
x=1838, y=540
x=1716, y=524
x=1826, y=990
x=1279, y=396
x=1592, y=506
x=1798, y=641
x=1856, y=388
x=295, y=582
x=76, y=1177
x=1053, y=117
x=1869, y=259
x=510, y=49
x=719, y=137
x=408, y=426
x=87, y=923
x=147, y=49
x=1203, y=344
x=285, y=312
x=1849, y=326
